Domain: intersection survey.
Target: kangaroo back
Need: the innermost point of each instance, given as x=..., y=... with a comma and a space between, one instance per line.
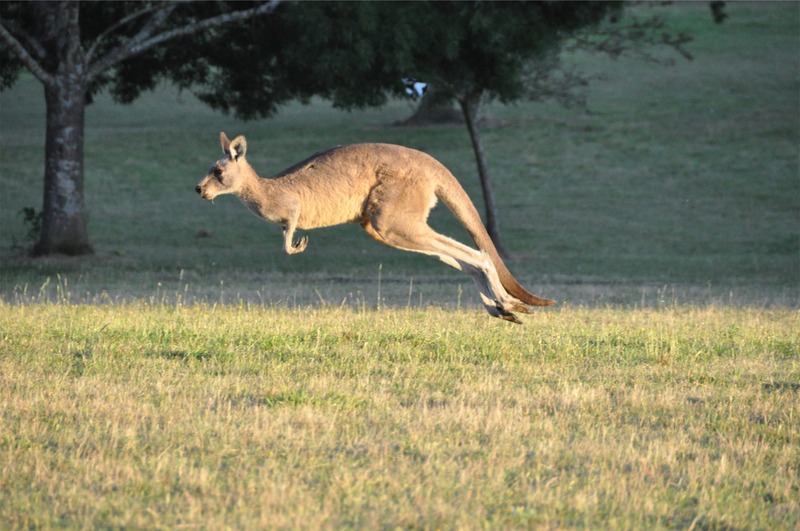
x=451, y=193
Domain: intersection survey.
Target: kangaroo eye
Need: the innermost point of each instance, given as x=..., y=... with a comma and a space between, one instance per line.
x=218, y=173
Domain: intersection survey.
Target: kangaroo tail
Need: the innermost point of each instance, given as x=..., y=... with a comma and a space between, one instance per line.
x=453, y=195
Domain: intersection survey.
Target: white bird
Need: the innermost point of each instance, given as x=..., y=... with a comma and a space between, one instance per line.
x=415, y=89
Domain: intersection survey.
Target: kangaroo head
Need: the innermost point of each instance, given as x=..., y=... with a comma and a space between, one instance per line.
x=227, y=174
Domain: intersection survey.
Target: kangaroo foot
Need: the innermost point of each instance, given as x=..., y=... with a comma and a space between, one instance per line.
x=511, y=304
x=508, y=316
x=516, y=306
x=496, y=311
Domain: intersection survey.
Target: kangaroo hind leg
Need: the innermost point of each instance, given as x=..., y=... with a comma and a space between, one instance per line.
x=480, y=267
x=415, y=235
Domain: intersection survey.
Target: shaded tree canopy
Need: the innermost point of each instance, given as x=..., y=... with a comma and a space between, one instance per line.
x=354, y=54
x=126, y=46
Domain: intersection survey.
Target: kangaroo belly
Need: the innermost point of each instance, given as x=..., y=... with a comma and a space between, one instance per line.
x=325, y=207
x=327, y=213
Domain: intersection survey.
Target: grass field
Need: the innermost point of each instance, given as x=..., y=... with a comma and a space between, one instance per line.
x=246, y=417
x=175, y=381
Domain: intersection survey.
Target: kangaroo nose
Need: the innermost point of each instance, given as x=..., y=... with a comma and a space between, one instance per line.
x=198, y=189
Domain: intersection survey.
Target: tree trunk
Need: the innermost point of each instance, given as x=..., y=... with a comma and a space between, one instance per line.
x=63, y=211
x=470, y=106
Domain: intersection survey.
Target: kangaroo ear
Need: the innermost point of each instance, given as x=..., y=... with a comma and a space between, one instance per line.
x=238, y=147
x=226, y=144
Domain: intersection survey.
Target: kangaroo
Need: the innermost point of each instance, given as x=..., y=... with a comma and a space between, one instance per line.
x=389, y=190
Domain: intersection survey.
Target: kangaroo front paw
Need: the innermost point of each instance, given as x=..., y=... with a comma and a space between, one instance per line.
x=299, y=246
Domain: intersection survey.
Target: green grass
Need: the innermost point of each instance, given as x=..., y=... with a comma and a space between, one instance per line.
x=173, y=381
x=180, y=416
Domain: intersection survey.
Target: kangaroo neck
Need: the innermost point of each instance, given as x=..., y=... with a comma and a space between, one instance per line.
x=257, y=194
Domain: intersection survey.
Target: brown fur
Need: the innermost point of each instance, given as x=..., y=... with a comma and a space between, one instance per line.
x=389, y=190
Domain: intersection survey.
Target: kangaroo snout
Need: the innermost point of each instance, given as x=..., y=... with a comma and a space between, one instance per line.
x=203, y=190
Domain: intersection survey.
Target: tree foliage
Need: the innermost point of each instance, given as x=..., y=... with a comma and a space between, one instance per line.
x=354, y=54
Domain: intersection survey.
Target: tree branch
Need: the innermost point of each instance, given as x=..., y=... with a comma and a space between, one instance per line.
x=634, y=38
x=548, y=78
x=27, y=59
x=124, y=50
x=121, y=22
x=143, y=40
x=35, y=47
x=219, y=20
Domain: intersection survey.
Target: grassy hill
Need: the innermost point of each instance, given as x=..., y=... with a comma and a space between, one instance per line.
x=682, y=176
